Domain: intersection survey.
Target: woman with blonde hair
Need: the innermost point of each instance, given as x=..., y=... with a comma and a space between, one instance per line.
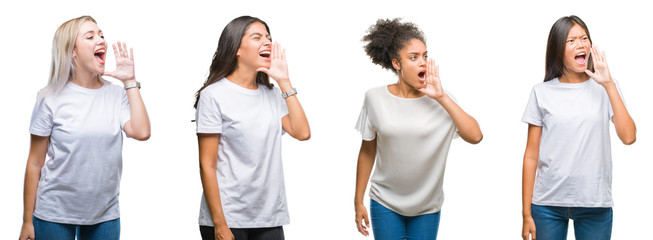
x=74, y=165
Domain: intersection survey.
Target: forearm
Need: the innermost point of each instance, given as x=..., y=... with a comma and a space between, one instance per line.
x=35, y=161
x=624, y=124
x=212, y=195
x=139, y=120
x=528, y=182
x=366, y=158
x=32, y=177
x=468, y=127
x=298, y=122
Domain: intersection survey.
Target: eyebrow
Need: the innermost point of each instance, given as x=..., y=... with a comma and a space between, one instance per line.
x=92, y=31
x=574, y=36
x=418, y=52
x=258, y=34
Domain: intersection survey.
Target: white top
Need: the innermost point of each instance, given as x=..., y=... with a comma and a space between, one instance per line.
x=412, y=143
x=575, y=163
x=250, y=172
x=80, y=180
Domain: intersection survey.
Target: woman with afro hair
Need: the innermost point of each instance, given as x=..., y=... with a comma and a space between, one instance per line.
x=407, y=128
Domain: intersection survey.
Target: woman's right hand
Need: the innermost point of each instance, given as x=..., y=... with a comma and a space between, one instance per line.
x=361, y=214
x=528, y=228
x=223, y=233
x=27, y=232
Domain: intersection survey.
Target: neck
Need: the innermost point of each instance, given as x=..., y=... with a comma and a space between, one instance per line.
x=404, y=90
x=573, y=77
x=244, y=78
x=86, y=79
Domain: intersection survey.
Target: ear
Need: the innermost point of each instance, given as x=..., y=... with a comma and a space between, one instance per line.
x=238, y=53
x=396, y=64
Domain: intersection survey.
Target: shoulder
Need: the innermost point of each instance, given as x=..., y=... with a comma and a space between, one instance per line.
x=214, y=89
x=113, y=87
x=273, y=90
x=376, y=92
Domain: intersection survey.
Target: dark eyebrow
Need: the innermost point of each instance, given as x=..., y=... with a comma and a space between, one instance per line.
x=259, y=34
x=573, y=36
x=417, y=52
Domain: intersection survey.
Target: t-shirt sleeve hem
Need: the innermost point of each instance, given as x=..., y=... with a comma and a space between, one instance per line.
x=209, y=130
x=532, y=121
x=40, y=133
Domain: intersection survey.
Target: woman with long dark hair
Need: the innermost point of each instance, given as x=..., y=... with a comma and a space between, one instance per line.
x=77, y=125
x=567, y=172
x=240, y=120
x=407, y=129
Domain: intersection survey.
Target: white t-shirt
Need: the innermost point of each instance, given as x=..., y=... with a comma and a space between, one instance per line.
x=412, y=143
x=80, y=180
x=249, y=167
x=575, y=163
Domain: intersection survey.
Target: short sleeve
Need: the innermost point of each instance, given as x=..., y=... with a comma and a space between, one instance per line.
x=41, y=123
x=532, y=114
x=125, y=111
x=364, y=126
x=208, y=116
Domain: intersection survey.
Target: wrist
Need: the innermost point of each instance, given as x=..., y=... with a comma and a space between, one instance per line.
x=608, y=84
x=284, y=86
x=132, y=84
x=441, y=98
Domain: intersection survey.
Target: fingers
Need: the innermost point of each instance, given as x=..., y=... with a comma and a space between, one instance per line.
x=115, y=51
x=131, y=54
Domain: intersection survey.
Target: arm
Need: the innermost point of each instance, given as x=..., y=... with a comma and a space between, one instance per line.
x=531, y=157
x=138, y=127
x=623, y=123
x=208, y=153
x=295, y=123
x=366, y=158
x=468, y=128
x=35, y=161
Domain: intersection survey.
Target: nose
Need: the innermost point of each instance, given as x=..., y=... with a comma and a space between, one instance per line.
x=422, y=62
x=101, y=41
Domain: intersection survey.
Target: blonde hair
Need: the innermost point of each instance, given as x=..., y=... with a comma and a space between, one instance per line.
x=62, y=68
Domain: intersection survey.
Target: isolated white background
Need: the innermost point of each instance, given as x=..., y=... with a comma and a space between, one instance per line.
x=490, y=52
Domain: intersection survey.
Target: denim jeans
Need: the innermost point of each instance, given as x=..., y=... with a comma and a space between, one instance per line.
x=387, y=224
x=551, y=223
x=44, y=230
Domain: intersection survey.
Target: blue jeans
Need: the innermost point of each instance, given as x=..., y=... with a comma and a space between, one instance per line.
x=44, y=230
x=551, y=223
x=386, y=224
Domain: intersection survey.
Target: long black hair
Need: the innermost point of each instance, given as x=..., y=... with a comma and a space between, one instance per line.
x=387, y=37
x=225, y=60
x=555, y=47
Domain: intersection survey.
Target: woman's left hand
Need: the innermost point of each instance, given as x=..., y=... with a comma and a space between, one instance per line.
x=278, y=67
x=432, y=86
x=601, y=72
x=124, y=63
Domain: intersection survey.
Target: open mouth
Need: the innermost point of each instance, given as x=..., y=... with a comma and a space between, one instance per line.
x=580, y=58
x=100, y=55
x=421, y=75
x=265, y=54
